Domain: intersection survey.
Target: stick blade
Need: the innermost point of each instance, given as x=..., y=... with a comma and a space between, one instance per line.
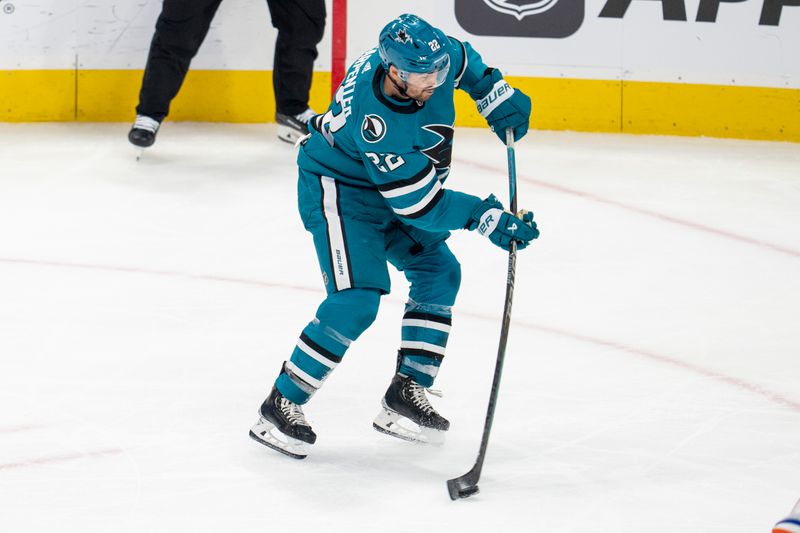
x=463, y=487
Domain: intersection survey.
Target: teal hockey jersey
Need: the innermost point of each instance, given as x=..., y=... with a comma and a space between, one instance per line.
x=400, y=148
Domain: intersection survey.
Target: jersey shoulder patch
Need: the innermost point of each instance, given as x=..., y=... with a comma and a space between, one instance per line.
x=373, y=128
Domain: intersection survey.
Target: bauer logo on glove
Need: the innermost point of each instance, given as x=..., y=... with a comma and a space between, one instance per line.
x=499, y=93
x=502, y=227
x=488, y=221
x=501, y=105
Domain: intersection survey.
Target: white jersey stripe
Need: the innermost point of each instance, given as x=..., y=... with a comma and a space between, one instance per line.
x=419, y=345
x=294, y=369
x=400, y=191
x=312, y=353
x=430, y=324
x=339, y=264
x=419, y=206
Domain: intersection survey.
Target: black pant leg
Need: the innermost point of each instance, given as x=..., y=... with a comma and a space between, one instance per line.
x=180, y=30
x=300, y=24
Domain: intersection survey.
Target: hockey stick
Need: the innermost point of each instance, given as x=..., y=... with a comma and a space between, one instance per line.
x=467, y=485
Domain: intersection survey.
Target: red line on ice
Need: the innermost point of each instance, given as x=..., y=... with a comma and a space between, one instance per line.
x=642, y=211
x=736, y=382
x=169, y=273
x=717, y=376
x=60, y=458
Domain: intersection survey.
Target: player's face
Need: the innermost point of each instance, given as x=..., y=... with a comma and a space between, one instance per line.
x=418, y=86
x=424, y=83
x=421, y=86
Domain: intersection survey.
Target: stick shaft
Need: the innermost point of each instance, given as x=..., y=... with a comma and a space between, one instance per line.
x=501, y=350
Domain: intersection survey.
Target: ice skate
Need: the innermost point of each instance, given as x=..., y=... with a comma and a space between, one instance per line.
x=407, y=414
x=291, y=128
x=143, y=133
x=282, y=426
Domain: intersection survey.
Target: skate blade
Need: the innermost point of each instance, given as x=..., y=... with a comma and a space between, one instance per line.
x=264, y=432
x=396, y=425
x=289, y=135
x=139, y=152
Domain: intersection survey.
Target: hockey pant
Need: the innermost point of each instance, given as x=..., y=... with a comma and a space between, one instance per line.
x=356, y=236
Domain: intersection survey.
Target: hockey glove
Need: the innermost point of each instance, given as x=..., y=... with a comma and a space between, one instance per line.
x=501, y=227
x=501, y=105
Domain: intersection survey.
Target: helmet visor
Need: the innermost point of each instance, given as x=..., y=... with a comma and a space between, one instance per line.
x=431, y=79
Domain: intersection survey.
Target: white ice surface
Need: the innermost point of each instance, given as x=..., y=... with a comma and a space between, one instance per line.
x=652, y=379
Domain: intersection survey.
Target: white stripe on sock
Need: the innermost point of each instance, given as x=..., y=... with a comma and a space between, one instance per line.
x=418, y=323
x=312, y=353
x=419, y=345
x=294, y=369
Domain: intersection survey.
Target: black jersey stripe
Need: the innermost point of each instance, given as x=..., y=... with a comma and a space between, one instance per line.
x=425, y=210
x=416, y=178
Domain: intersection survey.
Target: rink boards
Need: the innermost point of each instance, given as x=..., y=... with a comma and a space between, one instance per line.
x=683, y=67
x=559, y=104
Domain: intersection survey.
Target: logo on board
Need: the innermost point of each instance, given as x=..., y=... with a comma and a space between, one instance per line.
x=521, y=18
x=561, y=18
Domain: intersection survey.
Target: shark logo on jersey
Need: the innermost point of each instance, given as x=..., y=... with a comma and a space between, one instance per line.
x=440, y=153
x=373, y=129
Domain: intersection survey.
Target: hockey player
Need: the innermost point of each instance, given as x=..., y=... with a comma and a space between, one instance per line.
x=790, y=524
x=180, y=30
x=370, y=188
